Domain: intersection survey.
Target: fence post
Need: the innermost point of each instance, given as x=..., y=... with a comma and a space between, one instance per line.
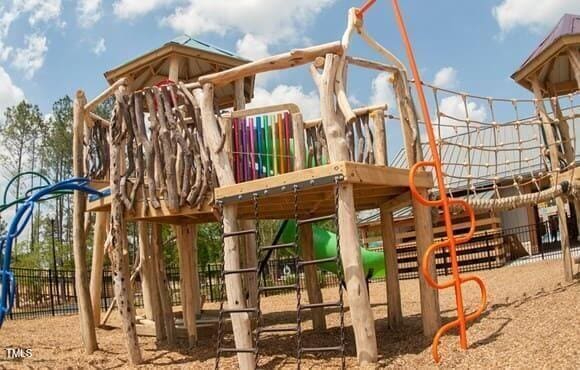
x=50, y=290
x=210, y=285
x=487, y=247
x=547, y=227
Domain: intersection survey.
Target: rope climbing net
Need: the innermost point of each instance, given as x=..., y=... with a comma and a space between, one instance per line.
x=496, y=152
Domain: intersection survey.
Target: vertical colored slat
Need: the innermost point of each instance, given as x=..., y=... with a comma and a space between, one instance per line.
x=274, y=144
x=244, y=149
x=252, y=150
x=258, y=123
x=289, y=143
x=236, y=150
x=282, y=144
x=266, y=122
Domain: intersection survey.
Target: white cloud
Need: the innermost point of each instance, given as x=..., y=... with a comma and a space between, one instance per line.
x=5, y=51
x=272, y=21
x=532, y=14
x=40, y=10
x=89, y=12
x=10, y=94
x=382, y=90
x=252, y=47
x=309, y=103
x=130, y=9
x=100, y=47
x=31, y=58
x=446, y=77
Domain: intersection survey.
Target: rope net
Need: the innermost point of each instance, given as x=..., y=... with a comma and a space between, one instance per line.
x=495, y=152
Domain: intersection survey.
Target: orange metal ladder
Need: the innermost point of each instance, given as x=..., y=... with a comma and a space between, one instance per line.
x=445, y=203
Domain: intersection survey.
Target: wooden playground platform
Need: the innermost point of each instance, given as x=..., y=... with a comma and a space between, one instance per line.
x=373, y=186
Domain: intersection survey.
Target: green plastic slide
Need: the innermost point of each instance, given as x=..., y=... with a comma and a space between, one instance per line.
x=325, y=247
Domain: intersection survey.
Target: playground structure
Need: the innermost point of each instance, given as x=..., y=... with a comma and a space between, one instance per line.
x=175, y=154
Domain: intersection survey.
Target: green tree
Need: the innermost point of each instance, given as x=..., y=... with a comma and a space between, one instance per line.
x=20, y=132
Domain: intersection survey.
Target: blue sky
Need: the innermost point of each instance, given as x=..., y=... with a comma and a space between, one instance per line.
x=50, y=48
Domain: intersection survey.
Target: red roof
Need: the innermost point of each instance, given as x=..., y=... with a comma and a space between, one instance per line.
x=569, y=24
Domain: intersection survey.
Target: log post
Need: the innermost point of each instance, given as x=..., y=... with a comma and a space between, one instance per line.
x=147, y=272
x=235, y=295
x=555, y=168
x=430, y=312
x=380, y=140
x=311, y=277
x=96, y=285
x=118, y=232
x=184, y=237
x=166, y=310
x=250, y=252
x=358, y=296
x=395, y=312
x=574, y=56
x=88, y=334
x=299, y=144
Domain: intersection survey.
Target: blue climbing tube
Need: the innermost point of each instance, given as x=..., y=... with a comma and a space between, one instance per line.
x=18, y=224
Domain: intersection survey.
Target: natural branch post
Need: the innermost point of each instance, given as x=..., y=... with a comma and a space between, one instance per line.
x=380, y=140
x=395, y=312
x=117, y=239
x=163, y=288
x=360, y=308
x=555, y=168
x=100, y=234
x=234, y=290
x=185, y=237
x=311, y=277
x=430, y=312
x=79, y=239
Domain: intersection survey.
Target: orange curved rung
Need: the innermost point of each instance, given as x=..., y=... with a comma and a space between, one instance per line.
x=445, y=203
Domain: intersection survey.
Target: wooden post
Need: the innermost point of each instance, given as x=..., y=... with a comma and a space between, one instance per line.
x=358, y=296
x=395, y=312
x=380, y=140
x=88, y=334
x=311, y=277
x=118, y=233
x=555, y=167
x=166, y=310
x=223, y=169
x=250, y=252
x=96, y=285
x=147, y=271
x=430, y=312
x=299, y=144
x=173, y=74
x=184, y=237
x=574, y=56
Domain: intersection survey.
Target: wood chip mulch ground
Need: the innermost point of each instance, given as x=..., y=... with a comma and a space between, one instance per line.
x=532, y=321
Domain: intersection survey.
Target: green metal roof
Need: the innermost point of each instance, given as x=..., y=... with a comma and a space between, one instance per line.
x=189, y=41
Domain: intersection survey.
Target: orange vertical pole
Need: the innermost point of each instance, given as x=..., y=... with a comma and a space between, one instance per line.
x=444, y=202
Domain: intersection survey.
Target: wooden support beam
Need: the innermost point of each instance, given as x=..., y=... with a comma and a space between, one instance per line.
x=100, y=234
x=234, y=290
x=430, y=312
x=357, y=111
x=380, y=140
x=147, y=272
x=109, y=91
x=118, y=252
x=281, y=61
x=184, y=236
x=371, y=64
x=574, y=56
x=88, y=334
x=311, y=277
x=395, y=311
x=555, y=168
x=358, y=296
x=165, y=326
x=174, y=68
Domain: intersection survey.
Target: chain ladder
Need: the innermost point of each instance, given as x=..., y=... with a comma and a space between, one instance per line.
x=298, y=288
x=220, y=331
x=340, y=273
x=258, y=320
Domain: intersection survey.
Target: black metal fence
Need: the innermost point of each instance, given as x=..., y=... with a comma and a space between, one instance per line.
x=43, y=293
